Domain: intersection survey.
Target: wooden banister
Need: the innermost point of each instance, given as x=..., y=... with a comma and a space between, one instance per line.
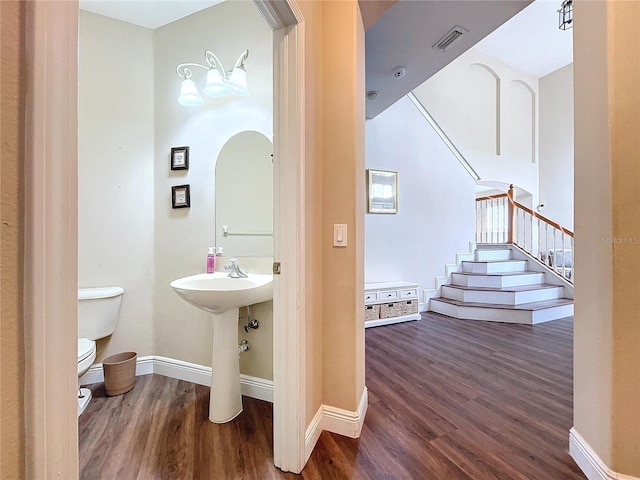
x=511, y=221
x=501, y=219
x=490, y=197
x=544, y=219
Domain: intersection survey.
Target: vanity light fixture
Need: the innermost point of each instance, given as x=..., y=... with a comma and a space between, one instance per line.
x=219, y=82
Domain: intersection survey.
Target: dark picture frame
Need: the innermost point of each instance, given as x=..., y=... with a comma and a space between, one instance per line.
x=181, y=196
x=180, y=158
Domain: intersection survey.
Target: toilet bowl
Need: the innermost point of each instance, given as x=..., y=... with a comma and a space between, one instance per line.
x=86, y=355
x=98, y=310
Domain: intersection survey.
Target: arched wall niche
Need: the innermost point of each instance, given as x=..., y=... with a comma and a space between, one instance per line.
x=520, y=121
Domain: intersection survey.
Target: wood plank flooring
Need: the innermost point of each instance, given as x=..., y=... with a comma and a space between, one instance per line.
x=448, y=400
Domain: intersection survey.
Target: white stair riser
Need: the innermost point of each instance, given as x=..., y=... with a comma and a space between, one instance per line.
x=500, y=314
x=546, y=315
x=494, y=267
x=493, y=254
x=497, y=281
x=503, y=298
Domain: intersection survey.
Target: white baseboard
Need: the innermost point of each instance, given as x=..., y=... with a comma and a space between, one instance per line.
x=589, y=462
x=253, y=387
x=335, y=420
x=345, y=422
x=256, y=387
x=189, y=372
x=312, y=434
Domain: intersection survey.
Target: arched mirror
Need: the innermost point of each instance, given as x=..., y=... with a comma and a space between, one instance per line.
x=244, y=196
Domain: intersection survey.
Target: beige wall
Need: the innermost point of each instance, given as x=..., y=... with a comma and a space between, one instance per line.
x=13, y=80
x=556, y=146
x=624, y=115
x=115, y=173
x=182, y=236
x=343, y=202
x=607, y=175
x=128, y=124
x=334, y=193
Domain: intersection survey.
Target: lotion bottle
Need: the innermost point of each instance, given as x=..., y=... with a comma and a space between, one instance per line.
x=211, y=260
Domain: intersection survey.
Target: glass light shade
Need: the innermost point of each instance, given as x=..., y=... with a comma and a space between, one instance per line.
x=189, y=93
x=216, y=86
x=237, y=82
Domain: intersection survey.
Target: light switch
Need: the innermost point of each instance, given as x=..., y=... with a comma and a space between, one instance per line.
x=339, y=234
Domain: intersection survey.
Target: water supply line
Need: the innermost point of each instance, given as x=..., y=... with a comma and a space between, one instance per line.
x=244, y=346
x=251, y=324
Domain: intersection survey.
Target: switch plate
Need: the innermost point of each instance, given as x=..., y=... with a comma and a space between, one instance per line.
x=339, y=234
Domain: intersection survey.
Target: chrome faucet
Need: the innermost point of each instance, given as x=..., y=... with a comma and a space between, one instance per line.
x=234, y=269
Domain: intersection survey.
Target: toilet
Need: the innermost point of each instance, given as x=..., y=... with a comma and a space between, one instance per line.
x=98, y=310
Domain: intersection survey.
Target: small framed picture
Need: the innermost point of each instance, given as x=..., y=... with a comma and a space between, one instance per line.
x=180, y=158
x=383, y=191
x=180, y=196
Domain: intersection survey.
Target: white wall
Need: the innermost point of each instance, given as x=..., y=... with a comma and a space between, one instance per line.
x=556, y=146
x=489, y=110
x=183, y=235
x=436, y=216
x=115, y=173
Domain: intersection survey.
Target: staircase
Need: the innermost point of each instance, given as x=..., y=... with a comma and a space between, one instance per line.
x=497, y=287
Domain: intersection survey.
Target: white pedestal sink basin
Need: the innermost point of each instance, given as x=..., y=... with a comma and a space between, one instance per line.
x=222, y=297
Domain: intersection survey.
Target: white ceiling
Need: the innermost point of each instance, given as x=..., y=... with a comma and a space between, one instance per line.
x=531, y=41
x=146, y=13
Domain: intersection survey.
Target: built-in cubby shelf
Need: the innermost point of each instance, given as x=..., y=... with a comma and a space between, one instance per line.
x=390, y=302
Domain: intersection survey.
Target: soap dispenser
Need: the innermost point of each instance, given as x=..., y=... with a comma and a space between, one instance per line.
x=211, y=260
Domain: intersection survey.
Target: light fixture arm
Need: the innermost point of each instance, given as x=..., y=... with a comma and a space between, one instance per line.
x=214, y=62
x=184, y=72
x=243, y=58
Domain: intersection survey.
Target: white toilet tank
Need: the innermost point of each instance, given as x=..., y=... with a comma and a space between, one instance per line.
x=98, y=310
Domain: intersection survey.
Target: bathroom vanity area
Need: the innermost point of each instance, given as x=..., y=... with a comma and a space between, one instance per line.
x=386, y=303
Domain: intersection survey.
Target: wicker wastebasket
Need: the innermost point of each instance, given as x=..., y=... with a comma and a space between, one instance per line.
x=119, y=373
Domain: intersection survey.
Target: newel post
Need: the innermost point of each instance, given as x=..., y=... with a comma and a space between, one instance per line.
x=511, y=219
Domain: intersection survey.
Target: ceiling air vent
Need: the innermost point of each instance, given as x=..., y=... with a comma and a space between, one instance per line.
x=452, y=35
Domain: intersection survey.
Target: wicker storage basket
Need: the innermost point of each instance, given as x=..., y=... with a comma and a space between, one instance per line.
x=409, y=307
x=371, y=312
x=390, y=310
x=119, y=373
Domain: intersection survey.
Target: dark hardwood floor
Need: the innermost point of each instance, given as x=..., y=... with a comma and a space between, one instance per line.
x=448, y=400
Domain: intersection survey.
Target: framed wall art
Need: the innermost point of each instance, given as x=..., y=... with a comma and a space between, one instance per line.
x=180, y=196
x=382, y=188
x=180, y=158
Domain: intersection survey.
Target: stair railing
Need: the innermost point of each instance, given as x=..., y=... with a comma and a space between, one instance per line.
x=500, y=219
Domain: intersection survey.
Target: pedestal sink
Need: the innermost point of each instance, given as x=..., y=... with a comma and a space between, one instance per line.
x=222, y=296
